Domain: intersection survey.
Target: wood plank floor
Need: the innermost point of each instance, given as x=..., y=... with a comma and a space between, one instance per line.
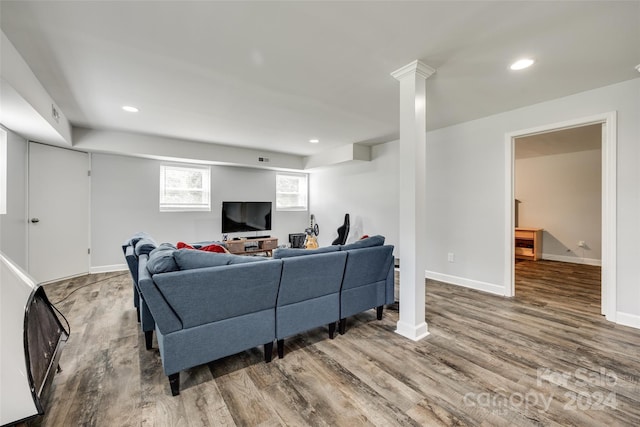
x=545, y=357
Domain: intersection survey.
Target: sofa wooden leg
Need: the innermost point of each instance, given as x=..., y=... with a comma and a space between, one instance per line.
x=379, y=312
x=332, y=329
x=174, y=383
x=268, y=351
x=342, y=327
x=280, y=349
x=148, y=339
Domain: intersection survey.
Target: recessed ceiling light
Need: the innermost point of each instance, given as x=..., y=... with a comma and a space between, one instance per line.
x=522, y=64
x=130, y=109
x=314, y=141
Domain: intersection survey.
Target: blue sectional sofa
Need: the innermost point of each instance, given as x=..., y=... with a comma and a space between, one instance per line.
x=367, y=282
x=205, y=306
x=133, y=248
x=309, y=294
x=203, y=314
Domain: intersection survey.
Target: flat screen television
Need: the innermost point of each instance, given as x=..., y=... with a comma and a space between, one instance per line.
x=246, y=216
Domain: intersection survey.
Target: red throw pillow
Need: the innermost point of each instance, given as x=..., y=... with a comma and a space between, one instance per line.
x=183, y=245
x=364, y=237
x=213, y=248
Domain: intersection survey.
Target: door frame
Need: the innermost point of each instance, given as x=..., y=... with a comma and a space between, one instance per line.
x=608, y=205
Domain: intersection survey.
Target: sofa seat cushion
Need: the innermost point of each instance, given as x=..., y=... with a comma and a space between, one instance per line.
x=188, y=259
x=368, y=242
x=292, y=252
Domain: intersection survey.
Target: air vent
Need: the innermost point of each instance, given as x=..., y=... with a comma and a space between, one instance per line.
x=263, y=159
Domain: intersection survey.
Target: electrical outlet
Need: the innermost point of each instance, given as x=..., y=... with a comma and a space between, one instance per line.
x=450, y=257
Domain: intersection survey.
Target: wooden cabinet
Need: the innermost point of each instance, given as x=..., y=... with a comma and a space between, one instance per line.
x=528, y=243
x=248, y=246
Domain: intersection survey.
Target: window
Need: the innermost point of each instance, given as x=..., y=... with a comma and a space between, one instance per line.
x=291, y=192
x=185, y=188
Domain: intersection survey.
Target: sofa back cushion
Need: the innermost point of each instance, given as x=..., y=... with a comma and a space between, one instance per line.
x=292, y=252
x=188, y=259
x=305, y=278
x=211, y=294
x=368, y=242
x=367, y=266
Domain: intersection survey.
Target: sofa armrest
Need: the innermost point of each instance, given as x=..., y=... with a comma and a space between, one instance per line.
x=164, y=316
x=390, y=283
x=132, y=263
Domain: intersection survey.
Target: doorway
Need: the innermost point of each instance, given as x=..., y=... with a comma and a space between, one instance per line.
x=558, y=194
x=607, y=122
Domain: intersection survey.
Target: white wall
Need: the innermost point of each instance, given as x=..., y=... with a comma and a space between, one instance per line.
x=466, y=186
x=125, y=196
x=367, y=191
x=562, y=194
x=466, y=190
x=26, y=107
x=172, y=149
x=13, y=225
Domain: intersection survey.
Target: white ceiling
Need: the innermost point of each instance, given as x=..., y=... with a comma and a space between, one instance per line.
x=583, y=138
x=272, y=75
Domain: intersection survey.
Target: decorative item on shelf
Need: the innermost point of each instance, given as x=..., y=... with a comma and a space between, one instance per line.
x=311, y=241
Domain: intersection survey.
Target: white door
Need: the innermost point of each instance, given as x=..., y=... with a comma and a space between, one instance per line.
x=59, y=197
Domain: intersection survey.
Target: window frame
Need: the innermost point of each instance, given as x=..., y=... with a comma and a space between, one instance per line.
x=165, y=206
x=300, y=208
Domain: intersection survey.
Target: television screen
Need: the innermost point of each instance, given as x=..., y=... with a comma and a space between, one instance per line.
x=246, y=216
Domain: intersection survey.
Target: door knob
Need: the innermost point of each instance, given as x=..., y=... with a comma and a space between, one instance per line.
x=34, y=220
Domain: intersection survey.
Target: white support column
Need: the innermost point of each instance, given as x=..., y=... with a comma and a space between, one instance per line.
x=413, y=207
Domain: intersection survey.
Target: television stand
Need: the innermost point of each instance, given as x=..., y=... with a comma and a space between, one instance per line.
x=252, y=245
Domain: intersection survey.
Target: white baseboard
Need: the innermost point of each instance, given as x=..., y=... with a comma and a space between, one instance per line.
x=413, y=332
x=627, y=319
x=573, y=259
x=108, y=268
x=467, y=283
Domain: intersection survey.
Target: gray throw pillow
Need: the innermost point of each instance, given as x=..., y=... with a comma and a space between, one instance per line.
x=161, y=260
x=376, y=240
x=188, y=259
x=136, y=237
x=145, y=246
